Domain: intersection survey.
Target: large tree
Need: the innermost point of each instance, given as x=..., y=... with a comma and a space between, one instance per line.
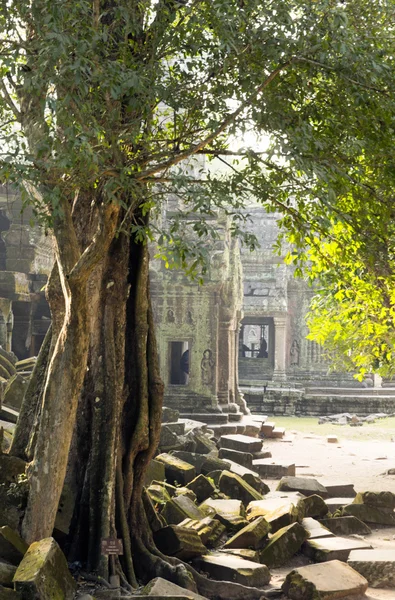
x=103, y=103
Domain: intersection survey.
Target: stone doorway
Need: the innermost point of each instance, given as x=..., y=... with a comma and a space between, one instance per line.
x=256, y=349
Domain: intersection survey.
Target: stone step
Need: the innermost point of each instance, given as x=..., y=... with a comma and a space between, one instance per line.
x=209, y=418
x=267, y=428
x=267, y=469
x=277, y=433
x=235, y=417
x=228, y=428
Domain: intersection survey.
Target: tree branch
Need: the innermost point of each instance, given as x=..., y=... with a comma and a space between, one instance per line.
x=194, y=149
x=7, y=98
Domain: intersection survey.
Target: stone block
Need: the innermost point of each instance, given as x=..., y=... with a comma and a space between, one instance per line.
x=283, y=545
x=209, y=530
x=242, y=443
x=12, y=546
x=346, y=526
x=229, y=512
x=43, y=573
x=245, y=553
x=332, y=548
x=177, y=470
x=184, y=491
x=10, y=468
x=327, y=581
x=279, y=512
x=8, y=594
x=168, y=439
x=370, y=514
x=270, y=470
x=232, y=568
x=158, y=494
x=377, y=566
x=315, y=529
x=267, y=428
x=192, y=458
x=250, y=477
x=179, y=508
x=7, y=573
x=305, y=485
x=335, y=504
x=161, y=587
x=277, y=433
x=204, y=445
x=241, y=458
x=155, y=472
x=169, y=415
x=15, y=391
x=253, y=536
x=202, y=487
x=182, y=542
x=332, y=439
x=211, y=463
x=339, y=490
x=314, y=506
x=235, y=487
x=381, y=500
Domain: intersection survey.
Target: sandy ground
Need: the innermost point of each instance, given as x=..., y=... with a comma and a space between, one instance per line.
x=363, y=463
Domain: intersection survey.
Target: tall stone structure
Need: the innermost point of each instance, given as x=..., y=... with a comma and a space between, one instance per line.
x=25, y=261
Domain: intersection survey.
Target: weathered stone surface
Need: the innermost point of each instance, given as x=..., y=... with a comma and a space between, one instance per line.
x=202, y=487
x=169, y=415
x=251, y=477
x=12, y=546
x=231, y=568
x=204, y=445
x=339, y=490
x=179, y=508
x=305, y=485
x=314, y=506
x=382, y=500
x=283, y=545
x=235, y=487
x=192, y=458
x=43, y=573
x=335, y=504
x=155, y=520
x=314, y=529
x=229, y=512
x=370, y=514
x=158, y=494
x=168, y=438
x=184, y=491
x=377, y=566
x=328, y=581
x=177, y=470
x=209, y=530
x=8, y=594
x=252, y=536
x=270, y=470
x=161, y=587
x=211, y=463
x=15, y=391
x=7, y=573
x=155, y=472
x=182, y=542
x=241, y=458
x=279, y=512
x=346, y=526
x=332, y=548
x=245, y=553
x=242, y=443
x=10, y=468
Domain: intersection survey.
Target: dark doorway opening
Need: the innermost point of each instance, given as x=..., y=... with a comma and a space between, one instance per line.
x=179, y=363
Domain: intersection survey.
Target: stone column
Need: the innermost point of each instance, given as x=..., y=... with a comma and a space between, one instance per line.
x=224, y=355
x=239, y=398
x=280, y=348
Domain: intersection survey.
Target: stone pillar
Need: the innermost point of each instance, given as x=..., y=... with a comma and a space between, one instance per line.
x=224, y=355
x=239, y=398
x=280, y=348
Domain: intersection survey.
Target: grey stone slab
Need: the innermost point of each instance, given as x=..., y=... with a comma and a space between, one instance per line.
x=332, y=548
x=283, y=545
x=326, y=581
x=335, y=504
x=228, y=567
x=315, y=530
x=305, y=485
x=346, y=526
x=377, y=566
x=159, y=587
x=270, y=470
x=242, y=443
x=339, y=490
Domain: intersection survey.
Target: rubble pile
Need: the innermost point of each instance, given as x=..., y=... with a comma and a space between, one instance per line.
x=353, y=420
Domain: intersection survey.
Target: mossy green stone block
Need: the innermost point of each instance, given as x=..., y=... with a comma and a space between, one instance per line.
x=283, y=545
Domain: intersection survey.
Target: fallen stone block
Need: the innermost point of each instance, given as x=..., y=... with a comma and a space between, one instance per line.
x=235, y=487
x=370, y=514
x=267, y=428
x=182, y=542
x=8, y=594
x=254, y=535
x=251, y=477
x=269, y=470
x=278, y=512
x=211, y=463
x=335, y=504
x=177, y=470
x=314, y=506
x=305, y=485
x=7, y=573
x=161, y=587
x=15, y=391
x=155, y=520
x=332, y=439
x=245, y=553
x=377, y=566
x=155, y=472
x=229, y=512
x=179, y=508
x=209, y=530
x=204, y=445
x=43, y=573
x=331, y=548
x=12, y=546
x=10, y=468
x=185, y=491
x=327, y=581
x=315, y=530
x=169, y=415
x=241, y=458
x=346, y=526
x=339, y=490
x=158, y=494
x=283, y=545
x=232, y=568
x=277, y=433
x=381, y=500
x=242, y=443
x=202, y=487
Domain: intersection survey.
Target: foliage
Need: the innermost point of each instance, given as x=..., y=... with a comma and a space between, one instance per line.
x=112, y=99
